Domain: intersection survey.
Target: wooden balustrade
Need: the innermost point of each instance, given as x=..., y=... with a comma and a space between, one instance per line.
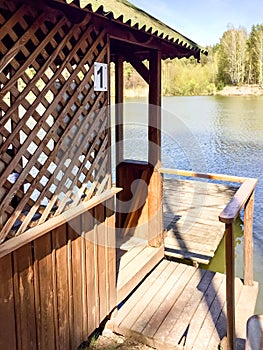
x=243, y=198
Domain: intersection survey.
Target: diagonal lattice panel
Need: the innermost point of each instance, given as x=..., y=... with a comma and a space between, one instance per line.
x=54, y=127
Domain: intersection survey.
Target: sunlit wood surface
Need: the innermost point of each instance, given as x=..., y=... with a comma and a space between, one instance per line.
x=182, y=307
x=191, y=210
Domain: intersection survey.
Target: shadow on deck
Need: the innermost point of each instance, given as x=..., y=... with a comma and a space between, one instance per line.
x=191, y=211
x=182, y=307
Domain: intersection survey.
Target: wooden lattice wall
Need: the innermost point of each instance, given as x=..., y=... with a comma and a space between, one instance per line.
x=53, y=127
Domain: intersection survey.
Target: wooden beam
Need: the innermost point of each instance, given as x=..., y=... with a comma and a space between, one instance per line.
x=154, y=119
x=230, y=285
x=248, y=240
x=140, y=68
x=119, y=109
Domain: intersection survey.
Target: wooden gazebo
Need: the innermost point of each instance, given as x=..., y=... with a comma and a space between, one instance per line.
x=60, y=267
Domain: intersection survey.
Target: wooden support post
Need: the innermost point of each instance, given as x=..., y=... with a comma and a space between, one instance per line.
x=248, y=240
x=155, y=231
x=119, y=109
x=155, y=210
x=154, y=126
x=230, y=285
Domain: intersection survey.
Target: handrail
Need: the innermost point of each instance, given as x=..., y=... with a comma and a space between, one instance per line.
x=209, y=176
x=243, y=198
x=234, y=206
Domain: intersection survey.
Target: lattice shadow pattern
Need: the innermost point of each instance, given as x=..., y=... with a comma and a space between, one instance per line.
x=54, y=127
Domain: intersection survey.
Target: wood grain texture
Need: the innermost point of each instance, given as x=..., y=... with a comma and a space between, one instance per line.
x=181, y=307
x=8, y=337
x=191, y=210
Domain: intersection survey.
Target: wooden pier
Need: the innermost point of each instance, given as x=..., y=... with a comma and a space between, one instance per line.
x=191, y=211
x=172, y=305
x=182, y=307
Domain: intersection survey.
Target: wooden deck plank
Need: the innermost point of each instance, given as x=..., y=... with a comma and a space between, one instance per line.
x=180, y=330
x=138, y=293
x=143, y=307
x=210, y=321
x=158, y=294
x=166, y=304
x=203, y=309
x=191, y=210
x=245, y=310
x=220, y=329
x=130, y=274
x=180, y=307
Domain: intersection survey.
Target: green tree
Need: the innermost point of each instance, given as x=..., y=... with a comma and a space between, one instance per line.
x=255, y=54
x=232, y=56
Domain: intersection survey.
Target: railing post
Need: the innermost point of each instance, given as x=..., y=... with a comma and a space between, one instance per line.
x=230, y=285
x=248, y=240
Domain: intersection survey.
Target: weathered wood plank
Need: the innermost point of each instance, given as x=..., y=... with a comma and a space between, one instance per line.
x=204, y=309
x=180, y=330
x=248, y=240
x=44, y=297
x=154, y=295
x=187, y=287
x=129, y=278
x=7, y=305
x=191, y=210
x=138, y=294
x=59, y=242
x=102, y=257
x=166, y=303
x=75, y=274
x=233, y=208
x=25, y=300
x=179, y=308
x=111, y=262
x=245, y=309
x=88, y=234
x=220, y=329
x=211, y=319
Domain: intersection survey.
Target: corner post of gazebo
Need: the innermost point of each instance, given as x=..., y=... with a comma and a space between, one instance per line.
x=119, y=85
x=155, y=217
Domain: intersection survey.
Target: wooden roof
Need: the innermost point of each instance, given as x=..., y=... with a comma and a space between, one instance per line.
x=169, y=41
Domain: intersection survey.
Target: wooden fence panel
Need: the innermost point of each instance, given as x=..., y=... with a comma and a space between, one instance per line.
x=56, y=290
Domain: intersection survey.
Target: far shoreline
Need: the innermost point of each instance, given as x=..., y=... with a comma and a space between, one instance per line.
x=242, y=90
x=229, y=90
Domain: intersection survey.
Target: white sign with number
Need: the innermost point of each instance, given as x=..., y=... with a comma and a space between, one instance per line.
x=100, y=76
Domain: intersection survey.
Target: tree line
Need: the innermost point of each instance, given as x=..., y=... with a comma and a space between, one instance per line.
x=236, y=60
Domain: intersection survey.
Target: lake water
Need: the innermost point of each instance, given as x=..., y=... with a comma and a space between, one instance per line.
x=209, y=134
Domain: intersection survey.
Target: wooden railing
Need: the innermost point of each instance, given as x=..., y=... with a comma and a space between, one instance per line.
x=243, y=198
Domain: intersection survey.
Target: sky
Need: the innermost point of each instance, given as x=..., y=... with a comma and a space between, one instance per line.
x=204, y=21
